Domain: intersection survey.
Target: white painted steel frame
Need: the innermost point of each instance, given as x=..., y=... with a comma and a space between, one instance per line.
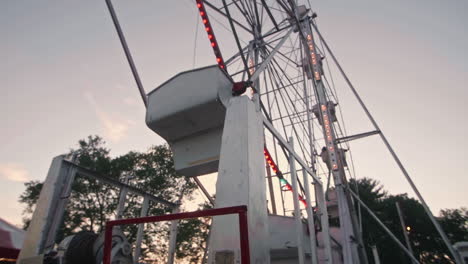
x=297, y=209
x=350, y=254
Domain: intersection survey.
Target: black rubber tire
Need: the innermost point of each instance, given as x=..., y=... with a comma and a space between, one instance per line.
x=80, y=249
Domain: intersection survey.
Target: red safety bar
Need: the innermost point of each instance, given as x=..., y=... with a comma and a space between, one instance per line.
x=240, y=210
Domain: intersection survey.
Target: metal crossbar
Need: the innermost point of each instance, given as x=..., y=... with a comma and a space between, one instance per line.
x=239, y=210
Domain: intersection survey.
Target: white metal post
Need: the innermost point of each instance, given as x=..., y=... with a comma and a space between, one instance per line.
x=122, y=198
x=173, y=237
x=310, y=219
x=376, y=254
x=297, y=209
x=324, y=222
x=350, y=253
x=403, y=227
x=141, y=227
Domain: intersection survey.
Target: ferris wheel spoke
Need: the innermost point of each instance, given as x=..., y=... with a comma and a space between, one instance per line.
x=270, y=15
x=276, y=101
x=237, y=55
x=285, y=8
x=295, y=111
x=225, y=15
x=258, y=16
x=291, y=83
x=236, y=37
x=244, y=12
x=270, y=57
x=289, y=113
x=284, y=57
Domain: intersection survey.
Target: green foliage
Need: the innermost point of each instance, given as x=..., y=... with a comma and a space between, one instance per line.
x=426, y=243
x=92, y=203
x=196, y=230
x=454, y=220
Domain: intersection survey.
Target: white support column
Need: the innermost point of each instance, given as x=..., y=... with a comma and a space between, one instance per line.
x=297, y=209
x=310, y=219
x=173, y=237
x=122, y=199
x=40, y=236
x=324, y=222
x=376, y=254
x=241, y=181
x=141, y=228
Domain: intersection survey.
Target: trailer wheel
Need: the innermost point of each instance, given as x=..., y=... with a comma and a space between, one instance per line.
x=80, y=249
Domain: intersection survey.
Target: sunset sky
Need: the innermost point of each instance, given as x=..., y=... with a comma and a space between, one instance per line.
x=63, y=76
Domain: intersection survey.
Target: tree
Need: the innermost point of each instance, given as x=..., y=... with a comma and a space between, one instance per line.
x=92, y=203
x=454, y=220
x=426, y=243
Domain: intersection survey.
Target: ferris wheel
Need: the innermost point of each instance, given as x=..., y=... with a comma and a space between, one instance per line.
x=276, y=56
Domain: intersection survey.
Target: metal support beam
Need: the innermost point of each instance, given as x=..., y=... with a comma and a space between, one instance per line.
x=324, y=222
x=385, y=228
x=310, y=219
x=173, y=237
x=297, y=209
x=266, y=62
x=127, y=52
x=403, y=227
x=141, y=228
x=270, y=187
x=174, y=229
x=376, y=254
x=236, y=37
x=350, y=249
x=203, y=189
x=264, y=4
x=122, y=198
x=82, y=171
x=288, y=147
x=357, y=136
x=228, y=17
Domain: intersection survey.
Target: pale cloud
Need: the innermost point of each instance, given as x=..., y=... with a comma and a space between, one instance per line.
x=13, y=172
x=131, y=101
x=121, y=87
x=114, y=128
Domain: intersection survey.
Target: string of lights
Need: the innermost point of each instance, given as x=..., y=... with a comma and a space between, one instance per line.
x=285, y=186
x=211, y=35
